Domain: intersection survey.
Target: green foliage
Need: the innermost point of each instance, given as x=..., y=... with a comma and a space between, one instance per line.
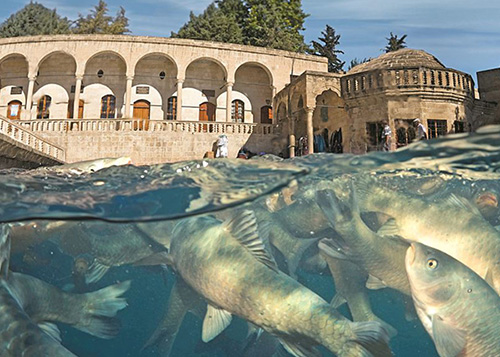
x=266, y=23
x=395, y=43
x=99, y=22
x=355, y=61
x=34, y=19
x=328, y=49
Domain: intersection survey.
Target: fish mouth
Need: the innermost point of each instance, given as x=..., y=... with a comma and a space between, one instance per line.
x=411, y=253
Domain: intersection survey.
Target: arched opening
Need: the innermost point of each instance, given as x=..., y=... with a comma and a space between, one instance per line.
x=238, y=111
x=205, y=81
x=141, y=112
x=108, y=107
x=172, y=108
x=160, y=72
x=330, y=123
x=255, y=81
x=206, y=113
x=266, y=114
x=43, y=107
x=113, y=79
x=14, y=110
x=14, y=82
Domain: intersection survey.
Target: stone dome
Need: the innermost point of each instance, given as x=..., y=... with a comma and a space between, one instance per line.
x=404, y=58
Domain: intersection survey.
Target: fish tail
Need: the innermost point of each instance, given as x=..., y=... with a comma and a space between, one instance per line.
x=100, y=310
x=373, y=339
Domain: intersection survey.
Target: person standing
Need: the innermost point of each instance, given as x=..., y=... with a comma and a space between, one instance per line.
x=222, y=143
x=421, y=131
x=386, y=137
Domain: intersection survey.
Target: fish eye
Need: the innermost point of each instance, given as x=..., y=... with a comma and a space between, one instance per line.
x=432, y=263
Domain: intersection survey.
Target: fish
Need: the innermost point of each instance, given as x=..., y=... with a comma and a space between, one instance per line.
x=451, y=224
x=381, y=257
x=228, y=265
x=89, y=166
x=459, y=310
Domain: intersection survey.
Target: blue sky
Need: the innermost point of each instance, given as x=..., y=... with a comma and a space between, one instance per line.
x=464, y=35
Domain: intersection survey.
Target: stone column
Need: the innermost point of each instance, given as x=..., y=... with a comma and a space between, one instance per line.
x=229, y=100
x=29, y=97
x=291, y=145
x=76, y=101
x=180, y=83
x=128, y=97
x=310, y=132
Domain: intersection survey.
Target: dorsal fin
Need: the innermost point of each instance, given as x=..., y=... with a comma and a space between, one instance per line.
x=244, y=228
x=462, y=202
x=4, y=250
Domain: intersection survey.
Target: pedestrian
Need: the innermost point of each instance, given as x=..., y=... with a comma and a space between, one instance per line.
x=386, y=137
x=222, y=150
x=421, y=131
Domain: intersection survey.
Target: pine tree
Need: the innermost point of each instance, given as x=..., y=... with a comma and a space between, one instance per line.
x=395, y=43
x=34, y=19
x=328, y=49
x=99, y=22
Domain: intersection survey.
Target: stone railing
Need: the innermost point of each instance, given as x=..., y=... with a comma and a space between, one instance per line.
x=409, y=78
x=139, y=125
x=21, y=135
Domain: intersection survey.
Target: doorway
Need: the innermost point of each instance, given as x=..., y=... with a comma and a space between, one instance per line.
x=207, y=113
x=141, y=112
x=14, y=110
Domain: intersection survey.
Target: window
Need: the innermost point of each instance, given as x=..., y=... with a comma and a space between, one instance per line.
x=459, y=126
x=43, y=107
x=405, y=132
x=374, y=133
x=266, y=114
x=172, y=108
x=436, y=128
x=108, y=107
x=237, y=111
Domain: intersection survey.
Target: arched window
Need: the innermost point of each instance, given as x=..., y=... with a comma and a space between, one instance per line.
x=238, y=111
x=266, y=114
x=172, y=108
x=43, y=107
x=14, y=110
x=108, y=107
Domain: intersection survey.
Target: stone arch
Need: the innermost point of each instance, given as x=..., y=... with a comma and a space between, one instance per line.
x=281, y=112
x=109, y=69
x=330, y=114
x=221, y=105
x=153, y=97
x=91, y=97
x=59, y=53
x=59, y=100
x=255, y=80
x=158, y=71
x=209, y=59
x=14, y=69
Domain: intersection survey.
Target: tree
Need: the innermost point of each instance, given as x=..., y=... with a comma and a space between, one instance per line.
x=395, y=43
x=328, y=49
x=99, y=22
x=217, y=23
x=34, y=19
x=355, y=62
x=265, y=23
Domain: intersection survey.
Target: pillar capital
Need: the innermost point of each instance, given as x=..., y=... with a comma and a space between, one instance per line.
x=32, y=77
x=130, y=78
x=229, y=84
x=180, y=80
x=79, y=77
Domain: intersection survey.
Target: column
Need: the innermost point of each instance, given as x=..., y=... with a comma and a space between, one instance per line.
x=29, y=98
x=229, y=100
x=180, y=83
x=291, y=145
x=76, y=102
x=128, y=96
x=310, y=132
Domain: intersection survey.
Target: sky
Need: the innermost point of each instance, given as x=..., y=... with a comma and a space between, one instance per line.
x=462, y=34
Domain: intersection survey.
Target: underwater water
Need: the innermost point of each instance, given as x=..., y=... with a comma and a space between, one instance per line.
x=325, y=224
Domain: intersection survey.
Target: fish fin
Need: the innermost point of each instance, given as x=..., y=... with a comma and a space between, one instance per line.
x=96, y=272
x=337, y=301
x=462, y=202
x=51, y=329
x=244, y=228
x=335, y=211
x=4, y=250
x=391, y=331
x=489, y=278
x=374, y=283
x=373, y=337
x=100, y=309
x=389, y=228
x=335, y=248
x=298, y=350
x=216, y=320
x=160, y=258
x=449, y=340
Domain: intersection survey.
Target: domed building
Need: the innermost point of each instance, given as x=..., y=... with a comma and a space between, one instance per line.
x=81, y=97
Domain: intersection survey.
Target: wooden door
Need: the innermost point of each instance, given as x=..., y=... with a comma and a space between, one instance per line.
x=14, y=110
x=142, y=112
x=266, y=114
x=207, y=113
x=80, y=109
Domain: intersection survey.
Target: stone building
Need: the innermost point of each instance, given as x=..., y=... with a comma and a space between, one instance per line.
x=162, y=99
